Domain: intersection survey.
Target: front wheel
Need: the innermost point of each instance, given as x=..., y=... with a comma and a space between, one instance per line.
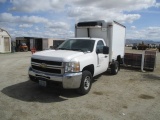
x=86, y=83
x=114, y=68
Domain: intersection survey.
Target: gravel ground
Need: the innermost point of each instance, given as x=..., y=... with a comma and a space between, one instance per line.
x=129, y=95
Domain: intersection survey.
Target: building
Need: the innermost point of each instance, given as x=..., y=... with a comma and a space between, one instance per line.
x=39, y=43
x=5, y=41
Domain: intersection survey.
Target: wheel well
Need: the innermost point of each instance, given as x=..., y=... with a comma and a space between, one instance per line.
x=90, y=68
x=119, y=59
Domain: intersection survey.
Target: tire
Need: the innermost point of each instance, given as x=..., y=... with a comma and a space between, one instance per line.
x=32, y=78
x=86, y=83
x=119, y=60
x=25, y=49
x=114, y=68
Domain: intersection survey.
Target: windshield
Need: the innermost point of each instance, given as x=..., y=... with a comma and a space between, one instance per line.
x=23, y=44
x=78, y=45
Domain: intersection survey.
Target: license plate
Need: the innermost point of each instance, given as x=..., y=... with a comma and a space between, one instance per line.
x=42, y=83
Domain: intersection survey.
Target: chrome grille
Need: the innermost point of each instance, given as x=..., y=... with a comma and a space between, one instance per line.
x=51, y=67
x=55, y=63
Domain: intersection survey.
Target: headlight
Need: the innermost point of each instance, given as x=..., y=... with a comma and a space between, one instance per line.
x=72, y=67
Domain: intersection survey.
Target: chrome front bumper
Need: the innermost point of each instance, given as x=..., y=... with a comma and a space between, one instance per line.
x=69, y=80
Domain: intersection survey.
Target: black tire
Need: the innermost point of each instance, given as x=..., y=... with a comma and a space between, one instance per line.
x=152, y=69
x=26, y=49
x=119, y=60
x=32, y=78
x=114, y=68
x=86, y=83
x=20, y=50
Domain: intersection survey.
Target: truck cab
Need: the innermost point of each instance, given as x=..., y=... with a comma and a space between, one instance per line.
x=76, y=61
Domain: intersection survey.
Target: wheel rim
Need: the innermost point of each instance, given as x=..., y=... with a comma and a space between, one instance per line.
x=87, y=83
x=116, y=69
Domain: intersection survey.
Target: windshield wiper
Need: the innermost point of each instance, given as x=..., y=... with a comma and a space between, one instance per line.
x=63, y=48
x=76, y=49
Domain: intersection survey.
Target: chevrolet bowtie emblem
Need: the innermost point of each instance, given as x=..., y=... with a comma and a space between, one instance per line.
x=43, y=65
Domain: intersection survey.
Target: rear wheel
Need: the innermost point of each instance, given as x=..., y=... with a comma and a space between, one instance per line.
x=86, y=83
x=115, y=68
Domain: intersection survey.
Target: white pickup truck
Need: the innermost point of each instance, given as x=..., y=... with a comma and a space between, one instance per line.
x=97, y=46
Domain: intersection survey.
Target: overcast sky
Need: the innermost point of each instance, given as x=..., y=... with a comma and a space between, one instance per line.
x=56, y=18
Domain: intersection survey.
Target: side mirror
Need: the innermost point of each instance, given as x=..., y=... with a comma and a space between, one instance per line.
x=105, y=50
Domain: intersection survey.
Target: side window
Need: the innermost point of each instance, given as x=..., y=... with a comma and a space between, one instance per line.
x=99, y=47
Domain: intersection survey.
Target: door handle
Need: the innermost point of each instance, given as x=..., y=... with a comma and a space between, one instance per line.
x=105, y=56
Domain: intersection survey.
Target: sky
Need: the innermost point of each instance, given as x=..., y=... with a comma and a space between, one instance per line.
x=57, y=18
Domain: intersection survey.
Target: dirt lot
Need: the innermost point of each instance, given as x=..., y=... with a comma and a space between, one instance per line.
x=130, y=95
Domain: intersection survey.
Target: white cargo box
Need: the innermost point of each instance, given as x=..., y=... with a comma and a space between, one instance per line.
x=112, y=32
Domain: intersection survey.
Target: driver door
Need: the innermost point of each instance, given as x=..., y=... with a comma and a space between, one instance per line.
x=102, y=59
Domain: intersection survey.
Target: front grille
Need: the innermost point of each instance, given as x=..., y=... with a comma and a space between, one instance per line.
x=48, y=70
x=54, y=63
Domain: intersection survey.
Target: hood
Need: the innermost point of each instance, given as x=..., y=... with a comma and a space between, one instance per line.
x=57, y=55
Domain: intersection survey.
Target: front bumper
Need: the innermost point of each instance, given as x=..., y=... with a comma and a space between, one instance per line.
x=68, y=80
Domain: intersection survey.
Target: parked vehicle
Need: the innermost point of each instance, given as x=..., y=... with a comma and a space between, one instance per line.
x=135, y=46
x=97, y=46
x=142, y=46
x=23, y=47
